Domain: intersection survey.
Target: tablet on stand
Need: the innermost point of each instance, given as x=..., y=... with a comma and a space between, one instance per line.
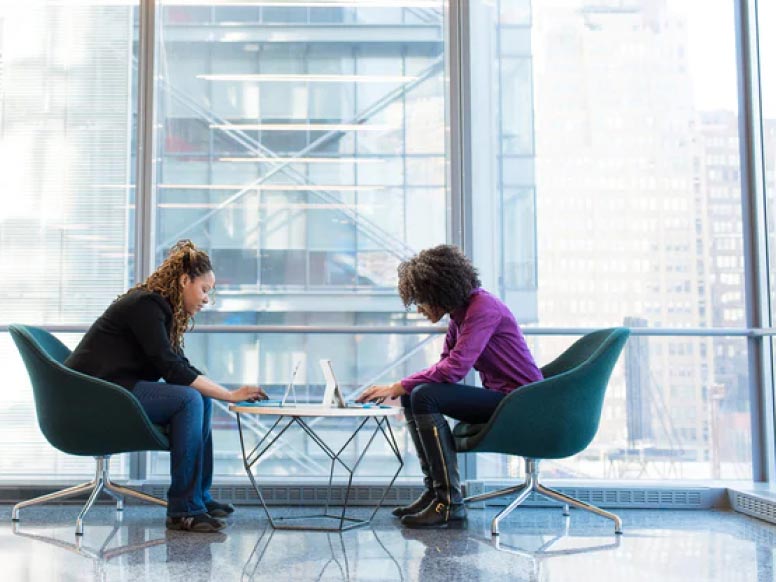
x=332, y=395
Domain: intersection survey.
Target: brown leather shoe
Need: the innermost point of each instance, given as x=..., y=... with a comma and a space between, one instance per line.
x=201, y=523
x=436, y=515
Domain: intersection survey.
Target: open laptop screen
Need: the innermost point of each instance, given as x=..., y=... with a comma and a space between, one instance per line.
x=331, y=395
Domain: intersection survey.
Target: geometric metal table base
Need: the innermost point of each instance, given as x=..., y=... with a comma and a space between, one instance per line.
x=532, y=484
x=326, y=521
x=100, y=483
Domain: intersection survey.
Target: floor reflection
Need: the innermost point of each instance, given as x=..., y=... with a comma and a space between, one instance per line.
x=343, y=556
x=536, y=544
x=112, y=546
x=124, y=548
x=539, y=548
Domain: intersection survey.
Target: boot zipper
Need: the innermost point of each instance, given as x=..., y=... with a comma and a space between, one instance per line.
x=444, y=467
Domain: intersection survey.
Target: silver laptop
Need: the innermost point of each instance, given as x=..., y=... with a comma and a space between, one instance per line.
x=290, y=391
x=332, y=395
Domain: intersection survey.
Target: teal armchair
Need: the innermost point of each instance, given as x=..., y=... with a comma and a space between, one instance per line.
x=82, y=415
x=554, y=418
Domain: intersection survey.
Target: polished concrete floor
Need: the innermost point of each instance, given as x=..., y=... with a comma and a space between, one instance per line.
x=536, y=544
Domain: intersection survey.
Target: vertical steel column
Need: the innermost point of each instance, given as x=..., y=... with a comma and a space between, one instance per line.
x=458, y=72
x=758, y=308
x=144, y=171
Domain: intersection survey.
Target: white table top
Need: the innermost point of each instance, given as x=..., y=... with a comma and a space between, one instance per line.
x=314, y=410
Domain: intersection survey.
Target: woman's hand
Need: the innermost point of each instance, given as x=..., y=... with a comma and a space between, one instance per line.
x=249, y=393
x=380, y=393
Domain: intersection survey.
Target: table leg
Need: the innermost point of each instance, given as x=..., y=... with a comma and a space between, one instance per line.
x=252, y=457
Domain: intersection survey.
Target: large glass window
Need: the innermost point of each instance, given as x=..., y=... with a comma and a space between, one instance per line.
x=66, y=124
x=303, y=145
x=503, y=156
x=607, y=136
x=766, y=13
x=767, y=17
x=638, y=191
x=309, y=161
x=656, y=424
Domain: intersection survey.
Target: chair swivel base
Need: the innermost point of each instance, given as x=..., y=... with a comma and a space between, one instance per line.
x=532, y=484
x=100, y=483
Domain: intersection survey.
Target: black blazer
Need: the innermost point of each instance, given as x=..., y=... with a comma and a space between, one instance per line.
x=130, y=342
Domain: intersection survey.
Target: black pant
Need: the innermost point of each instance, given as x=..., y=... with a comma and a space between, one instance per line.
x=467, y=403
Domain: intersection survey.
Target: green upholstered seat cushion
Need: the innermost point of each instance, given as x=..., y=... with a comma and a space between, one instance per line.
x=464, y=429
x=556, y=417
x=79, y=414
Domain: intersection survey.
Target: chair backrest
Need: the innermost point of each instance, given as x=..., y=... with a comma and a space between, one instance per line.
x=48, y=344
x=578, y=352
x=79, y=414
x=558, y=416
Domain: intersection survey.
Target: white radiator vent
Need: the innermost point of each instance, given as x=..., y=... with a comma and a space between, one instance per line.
x=306, y=494
x=753, y=505
x=316, y=494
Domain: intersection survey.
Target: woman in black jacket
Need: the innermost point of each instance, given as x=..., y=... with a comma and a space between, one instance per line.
x=137, y=341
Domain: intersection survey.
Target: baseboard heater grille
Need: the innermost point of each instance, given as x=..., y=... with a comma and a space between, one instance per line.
x=308, y=494
x=364, y=494
x=282, y=494
x=614, y=497
x=753, y=505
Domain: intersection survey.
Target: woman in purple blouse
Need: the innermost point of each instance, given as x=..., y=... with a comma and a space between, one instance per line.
x=483, y=335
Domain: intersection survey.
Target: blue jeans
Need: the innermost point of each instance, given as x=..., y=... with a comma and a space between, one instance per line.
x=459, y=401
x=187, y=412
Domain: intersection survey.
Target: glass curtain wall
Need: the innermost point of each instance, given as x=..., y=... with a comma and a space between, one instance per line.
x=303, y=146
x=615, y=124
x=766, y=14
x=66, y=127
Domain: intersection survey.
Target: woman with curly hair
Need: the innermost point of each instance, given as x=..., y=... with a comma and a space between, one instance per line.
x=137, y=341
x=483, y=335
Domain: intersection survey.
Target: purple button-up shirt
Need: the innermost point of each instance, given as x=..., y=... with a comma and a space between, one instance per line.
x=483, y=335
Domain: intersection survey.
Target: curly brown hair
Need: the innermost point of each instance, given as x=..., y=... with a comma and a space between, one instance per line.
x=183, y=259
x=441, y=276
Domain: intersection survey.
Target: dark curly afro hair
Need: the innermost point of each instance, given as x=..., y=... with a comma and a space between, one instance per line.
x=441, y=276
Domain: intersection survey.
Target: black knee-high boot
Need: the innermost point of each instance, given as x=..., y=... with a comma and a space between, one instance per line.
x=439, y=447
x=428, y=495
